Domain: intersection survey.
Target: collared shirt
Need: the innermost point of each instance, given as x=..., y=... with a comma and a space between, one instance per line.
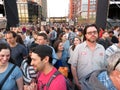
x=106, y=81
x=86, y=61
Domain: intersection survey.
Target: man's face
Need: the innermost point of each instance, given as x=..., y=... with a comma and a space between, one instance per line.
x=37, y=63
x=91, y=34
x=106, y=35
x=10, y=39
x=41, y=40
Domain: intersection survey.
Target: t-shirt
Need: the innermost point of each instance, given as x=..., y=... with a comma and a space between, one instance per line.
x=57, y=83
x=18, y=52
x=10, y=83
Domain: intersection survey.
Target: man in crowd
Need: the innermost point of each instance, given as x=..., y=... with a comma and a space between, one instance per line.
x=42, y=39
x=42, y=62
x=18, y=51
x=88, y=56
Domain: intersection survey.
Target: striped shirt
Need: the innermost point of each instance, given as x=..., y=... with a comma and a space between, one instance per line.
x=28, y=72
x=111, y=50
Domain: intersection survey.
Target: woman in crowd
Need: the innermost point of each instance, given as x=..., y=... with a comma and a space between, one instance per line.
x=76, y=41
x=14, y=81
x=65, y=41
x=61, y=54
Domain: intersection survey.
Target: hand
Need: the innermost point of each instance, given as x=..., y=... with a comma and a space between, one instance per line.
x=78, y=86
x=32, y=86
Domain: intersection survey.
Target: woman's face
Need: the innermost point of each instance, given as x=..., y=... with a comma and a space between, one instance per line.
x=76, y=41
x=64, y=37
x=4, y=56
x=60, y=46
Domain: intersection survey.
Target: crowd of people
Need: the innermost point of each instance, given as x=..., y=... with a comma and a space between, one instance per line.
x=86, y=55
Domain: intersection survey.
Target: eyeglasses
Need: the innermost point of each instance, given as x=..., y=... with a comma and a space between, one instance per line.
x=93, y=32
x=116, y=64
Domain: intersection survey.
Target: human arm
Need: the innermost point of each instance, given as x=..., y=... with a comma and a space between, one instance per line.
x=20, y=83
x=74, y=73
x=19, y=78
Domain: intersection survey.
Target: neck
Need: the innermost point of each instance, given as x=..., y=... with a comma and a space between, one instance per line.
x=47, y=68
x=13, y=45
x=3, y=67
x=91, y=45
x=59, y=51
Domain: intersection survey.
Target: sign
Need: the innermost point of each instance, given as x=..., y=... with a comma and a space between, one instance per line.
x=43, y=23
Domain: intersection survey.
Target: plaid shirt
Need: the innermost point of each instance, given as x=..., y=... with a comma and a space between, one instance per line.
x=105, y=80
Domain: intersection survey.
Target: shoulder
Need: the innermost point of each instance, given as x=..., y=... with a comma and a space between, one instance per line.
x=17, y=73
x=80, y=46
x=112, y=48
x=59, y=83
x=100, y=46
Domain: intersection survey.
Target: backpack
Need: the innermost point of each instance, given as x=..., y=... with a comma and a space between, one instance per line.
x=91, y=82
x=68, y=82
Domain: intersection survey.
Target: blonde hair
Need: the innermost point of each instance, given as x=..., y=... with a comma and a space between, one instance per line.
x=114, y=62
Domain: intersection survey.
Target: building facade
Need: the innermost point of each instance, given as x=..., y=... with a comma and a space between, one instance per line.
x=82, y=10
x=32, y=11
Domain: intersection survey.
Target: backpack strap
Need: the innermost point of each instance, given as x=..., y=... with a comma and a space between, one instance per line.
x=6, y=77
x=51, y=78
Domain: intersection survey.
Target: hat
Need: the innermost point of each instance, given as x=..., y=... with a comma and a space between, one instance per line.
x=43, y=50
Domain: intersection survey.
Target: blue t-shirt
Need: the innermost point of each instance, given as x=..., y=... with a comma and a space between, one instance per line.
x=18, y=52
x=10, y=83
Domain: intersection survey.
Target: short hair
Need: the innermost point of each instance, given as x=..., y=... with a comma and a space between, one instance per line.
x=44, y=35
x=110, y=31
x=86, y=28
x=13, y=33
x=42, y=51
x=113, y=62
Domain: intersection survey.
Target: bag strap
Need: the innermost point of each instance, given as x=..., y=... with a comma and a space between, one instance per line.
x=51, y=78
x=6, y=77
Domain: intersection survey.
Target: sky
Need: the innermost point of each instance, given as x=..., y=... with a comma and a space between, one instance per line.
x=57, y=8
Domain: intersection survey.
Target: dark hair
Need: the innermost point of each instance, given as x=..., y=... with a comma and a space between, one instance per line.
x=56, y=44
x=86, y=27
x=118, y=34
x=73, y=46
x=19, y=40
x=61, y=35
x=6, y=46
x=13, y=33
x=111, y=31
x=44, y=35
x=43, y=51
x=115, y=27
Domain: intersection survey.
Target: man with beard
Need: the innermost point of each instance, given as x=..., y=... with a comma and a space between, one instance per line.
x=88, y=56
x=42, y=62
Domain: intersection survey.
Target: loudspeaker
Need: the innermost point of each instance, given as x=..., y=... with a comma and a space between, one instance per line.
x=102, y=13
x=11, y=13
